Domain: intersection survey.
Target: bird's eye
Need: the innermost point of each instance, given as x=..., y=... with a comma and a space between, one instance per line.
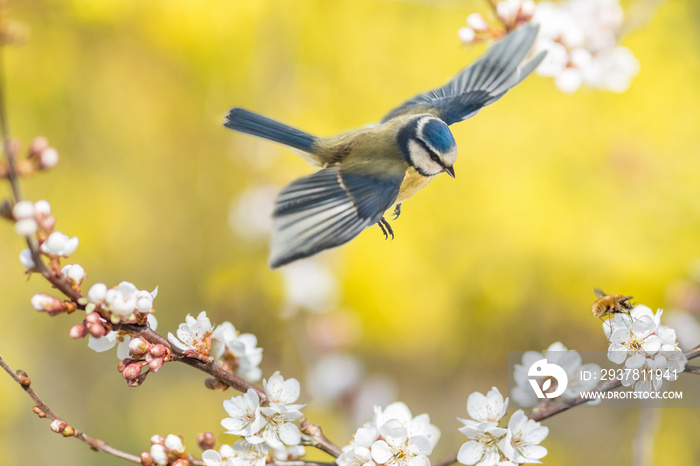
x=435, y=157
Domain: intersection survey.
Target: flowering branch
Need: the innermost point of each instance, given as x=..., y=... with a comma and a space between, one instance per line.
x=58, y=425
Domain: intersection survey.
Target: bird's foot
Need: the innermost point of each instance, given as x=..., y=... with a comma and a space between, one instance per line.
x=386, y=228
x=397, y=211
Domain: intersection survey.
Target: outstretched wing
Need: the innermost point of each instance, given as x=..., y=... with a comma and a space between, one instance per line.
x=481, y=83
x=327, y=209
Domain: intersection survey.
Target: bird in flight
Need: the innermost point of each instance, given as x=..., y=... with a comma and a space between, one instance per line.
x=363, y=172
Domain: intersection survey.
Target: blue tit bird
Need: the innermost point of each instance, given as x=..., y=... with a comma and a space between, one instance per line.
x=363, y=172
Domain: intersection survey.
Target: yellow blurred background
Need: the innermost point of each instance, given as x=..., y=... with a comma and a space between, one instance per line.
x=555, y=194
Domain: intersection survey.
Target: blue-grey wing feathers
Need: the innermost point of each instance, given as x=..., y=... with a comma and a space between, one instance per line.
x=251, y=123
x=480, y=84
x=327, y=209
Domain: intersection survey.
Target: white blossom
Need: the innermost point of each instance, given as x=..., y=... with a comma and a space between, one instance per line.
x=580, y=37
x=393, y=437
x=42, y=208
x=193, y=334
x=310, y=286
x=521, y=443
x=569, y=360
x=278, y=429
x=228, y=343
x=174, y=443
x=482, y=430
x=245, y=418
x=59, y=244
x=334, y=375
x=159, y=454
x=489, y=444
x=241, y=453
x=648, y=349
x=74, y=272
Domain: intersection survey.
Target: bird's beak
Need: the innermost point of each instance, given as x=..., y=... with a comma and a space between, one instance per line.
x=450, y=171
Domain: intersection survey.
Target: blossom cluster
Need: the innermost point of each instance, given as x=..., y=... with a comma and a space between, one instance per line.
x=392, y=437
x=266, y=429
x=567, y=359
x=233, y=351
x=645, y=346
x=580, y=37
x=490, y=444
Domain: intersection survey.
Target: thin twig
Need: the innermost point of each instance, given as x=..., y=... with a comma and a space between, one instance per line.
x=23, y=380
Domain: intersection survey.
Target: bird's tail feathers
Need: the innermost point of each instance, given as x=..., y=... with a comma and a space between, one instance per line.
x=251, y=123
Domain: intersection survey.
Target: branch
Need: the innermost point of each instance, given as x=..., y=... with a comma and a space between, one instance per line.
x=561, y=406
x=59, y=425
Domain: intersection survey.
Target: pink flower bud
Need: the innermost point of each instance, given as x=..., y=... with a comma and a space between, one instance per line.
x=206, y=440
x=159, y=350
x=46, y=303
x=157, y=440
x=155, y=364
x=97, y=330
x=47, y=223
x=147, y=459
x=77, y=331
x=132, y=371
x=38, y=145
x=181, y=462
x=477, y=22
x=93, y=318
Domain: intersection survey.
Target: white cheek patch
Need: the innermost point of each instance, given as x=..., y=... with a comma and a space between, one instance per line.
x=451, y=157
x=421, y=161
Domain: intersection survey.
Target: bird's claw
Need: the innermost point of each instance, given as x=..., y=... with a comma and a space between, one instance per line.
x=386, y=228
x=397, y=211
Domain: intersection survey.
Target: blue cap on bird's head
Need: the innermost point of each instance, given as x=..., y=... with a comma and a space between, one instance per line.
x=428, y=146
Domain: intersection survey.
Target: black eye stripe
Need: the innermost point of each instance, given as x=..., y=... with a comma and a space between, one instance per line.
x=433, y=155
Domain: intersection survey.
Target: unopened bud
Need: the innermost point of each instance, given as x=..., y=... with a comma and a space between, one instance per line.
x=77, y=331
x=147, y=459
x=97, y=330
x=58, y=425
x=214, y=384
x=38, y=145
x=93, y=318
x=206, y=440
x=181, y=462
x=157, y=440
x=48, y=158
x=137, y=381
x=155, y=364
x=132, y=371
x=24, y=378
x=139, y=346
x=159, y=350
x=26, y=227
x=68, y=431
x=46, y=303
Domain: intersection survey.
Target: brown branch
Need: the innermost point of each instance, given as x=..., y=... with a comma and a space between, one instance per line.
x=66, y=430
x=561, y=406
x=318, y=439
